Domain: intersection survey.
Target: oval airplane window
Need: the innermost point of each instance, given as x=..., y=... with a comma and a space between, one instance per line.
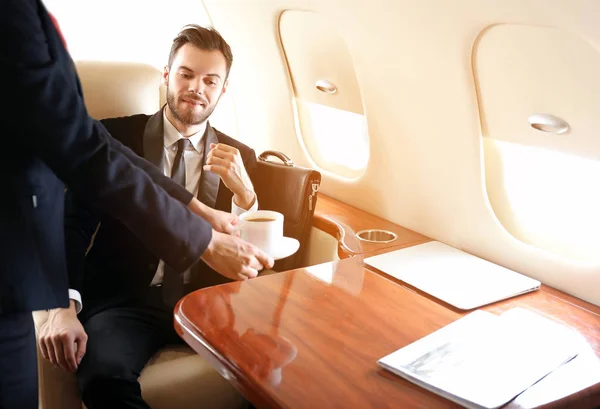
x=538, y=91
x=330, y=120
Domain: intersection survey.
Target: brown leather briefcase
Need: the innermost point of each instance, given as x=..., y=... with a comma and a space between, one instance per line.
x=291, y=190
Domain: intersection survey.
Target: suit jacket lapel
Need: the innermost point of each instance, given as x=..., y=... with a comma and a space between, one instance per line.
x=153, y=143
x=209, y=181
x=153, y=140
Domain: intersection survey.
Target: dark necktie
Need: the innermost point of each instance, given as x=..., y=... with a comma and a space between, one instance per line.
x=172, y=281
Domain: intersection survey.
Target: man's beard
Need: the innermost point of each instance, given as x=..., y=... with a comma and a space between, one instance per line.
x=189, y=117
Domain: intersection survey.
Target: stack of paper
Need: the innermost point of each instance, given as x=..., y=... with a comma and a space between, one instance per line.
x=483, y=360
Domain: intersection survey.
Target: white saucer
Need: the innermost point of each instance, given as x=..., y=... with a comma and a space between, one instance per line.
x=286, y=247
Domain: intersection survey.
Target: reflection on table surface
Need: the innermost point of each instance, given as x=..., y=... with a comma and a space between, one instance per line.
x=311, y=338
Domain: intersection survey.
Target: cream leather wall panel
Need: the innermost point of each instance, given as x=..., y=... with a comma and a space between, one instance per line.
x=413, y=61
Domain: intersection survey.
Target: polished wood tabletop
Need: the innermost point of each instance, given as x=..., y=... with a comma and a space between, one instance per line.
x=311, y=338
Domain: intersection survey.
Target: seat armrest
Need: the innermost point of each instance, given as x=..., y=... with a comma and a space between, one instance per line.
x=57, y=387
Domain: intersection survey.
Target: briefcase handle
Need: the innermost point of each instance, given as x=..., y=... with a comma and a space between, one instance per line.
x=279, y=155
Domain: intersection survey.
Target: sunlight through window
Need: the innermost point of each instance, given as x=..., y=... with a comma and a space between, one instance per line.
x=546, y=198
x=339, y=136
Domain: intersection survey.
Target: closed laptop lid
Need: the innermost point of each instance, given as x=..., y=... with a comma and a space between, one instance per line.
x=458, y=278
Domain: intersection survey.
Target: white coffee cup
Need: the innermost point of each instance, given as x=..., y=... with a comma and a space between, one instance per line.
x=263, y=228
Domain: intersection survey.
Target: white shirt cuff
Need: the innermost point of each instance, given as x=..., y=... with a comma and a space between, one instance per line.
x=235, y=209
x=75, y=296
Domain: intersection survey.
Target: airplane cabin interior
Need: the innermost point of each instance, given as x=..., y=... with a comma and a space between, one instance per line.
x=454, y=138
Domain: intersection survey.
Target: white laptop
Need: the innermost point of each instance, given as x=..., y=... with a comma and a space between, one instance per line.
x=453, y=276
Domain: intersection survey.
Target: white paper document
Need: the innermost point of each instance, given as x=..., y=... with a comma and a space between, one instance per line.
x=483, y=360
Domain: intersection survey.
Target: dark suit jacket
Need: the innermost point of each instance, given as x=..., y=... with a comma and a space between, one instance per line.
x=118, y=264
x=48, y=138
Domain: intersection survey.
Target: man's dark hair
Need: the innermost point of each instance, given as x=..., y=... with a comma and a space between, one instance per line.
x=203, y=38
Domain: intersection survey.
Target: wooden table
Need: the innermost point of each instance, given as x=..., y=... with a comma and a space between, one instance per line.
x=310, y=339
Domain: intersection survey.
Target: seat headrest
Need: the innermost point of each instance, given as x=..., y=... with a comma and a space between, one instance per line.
x=112, y=89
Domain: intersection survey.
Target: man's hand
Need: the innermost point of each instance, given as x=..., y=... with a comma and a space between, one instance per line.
x=235, y=258
x=58, y=336
x=227, y=162
x=220, y=221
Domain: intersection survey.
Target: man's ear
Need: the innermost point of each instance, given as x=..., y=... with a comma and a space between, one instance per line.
x=165, y=75
x=225, y=87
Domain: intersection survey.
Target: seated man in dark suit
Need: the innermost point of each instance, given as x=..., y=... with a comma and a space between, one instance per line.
x=127, y=293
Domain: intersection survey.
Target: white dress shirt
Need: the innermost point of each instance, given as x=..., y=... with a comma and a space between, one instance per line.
x=193, y=169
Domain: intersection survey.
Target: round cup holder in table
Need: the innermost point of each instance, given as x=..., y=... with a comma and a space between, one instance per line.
x=376, y=236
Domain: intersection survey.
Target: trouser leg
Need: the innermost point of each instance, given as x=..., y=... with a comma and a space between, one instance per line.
x=18, y=362
x=120, y=342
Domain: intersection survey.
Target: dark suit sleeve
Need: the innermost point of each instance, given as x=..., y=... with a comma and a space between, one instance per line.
x=54, y=124
x=81, y=222
x=172, y=188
